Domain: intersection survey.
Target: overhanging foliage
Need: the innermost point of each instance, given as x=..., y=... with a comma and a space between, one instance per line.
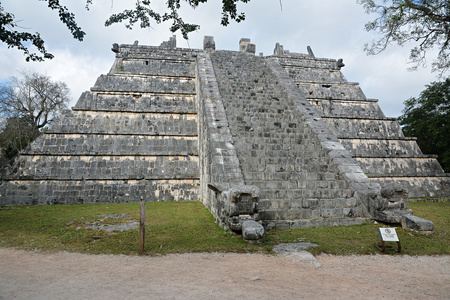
x=424, y=22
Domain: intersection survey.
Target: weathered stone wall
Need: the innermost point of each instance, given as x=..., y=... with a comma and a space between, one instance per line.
x=127, y=123
x=346, y=91
x=296, y=60
x=133, y=135
x=436, y=185
x=413, y=166
x=381, y=147
x=376, y=142
x=310, y=74
x=102, y=167
x=161, y=67
x=49, y=192
x=346, y=108
x=113, y=144
x=137, y=102
x=145, y=84
x=345, y=127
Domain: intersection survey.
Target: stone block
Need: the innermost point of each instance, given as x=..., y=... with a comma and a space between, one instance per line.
x=414, y=223
x=208, y=43
x=283, y=224
x=252, y=230
x=391, y=216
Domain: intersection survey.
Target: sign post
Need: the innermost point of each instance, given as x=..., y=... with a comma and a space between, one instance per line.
x=388, y=235
x=142, y=227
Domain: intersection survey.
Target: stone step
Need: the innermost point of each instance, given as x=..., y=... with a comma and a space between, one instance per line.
x=308, y=62
x=386, y=138
x=369, y=118
x=136, y=102
x=283, y=189
x=50, y=192
x=437, y=175
x=151, y=66
x=345, y=108
x=145, y=84
x=364, y=128
x=418, y=156
x=46, y=167
x=308, y=223
x=400, y=166
x=305, y=74
x=416, y=185
x=349, y=91
x=315, y=213
x=108, y=144
x=126, y=123
x=381, y=147
x=141, y=51
x=280, y=202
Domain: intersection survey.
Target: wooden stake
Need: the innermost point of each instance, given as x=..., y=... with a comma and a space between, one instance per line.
x=142, y=227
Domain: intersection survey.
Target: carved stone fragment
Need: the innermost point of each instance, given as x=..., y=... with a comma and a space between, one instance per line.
x=246, y=46
x=252, y=230
x=310, y=52
x=236, y=205
x=390, y=205
x=208, y=43
x=115, y=48
x=170, y=44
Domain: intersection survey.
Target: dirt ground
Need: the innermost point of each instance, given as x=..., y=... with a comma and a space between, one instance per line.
x=32, y=275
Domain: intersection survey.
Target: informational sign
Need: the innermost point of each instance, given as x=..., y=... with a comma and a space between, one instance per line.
x=388, y=234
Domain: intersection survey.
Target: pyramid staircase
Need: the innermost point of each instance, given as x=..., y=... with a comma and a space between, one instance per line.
x=300, y=185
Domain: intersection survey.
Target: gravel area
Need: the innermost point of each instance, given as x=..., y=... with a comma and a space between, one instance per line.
x=288, y=275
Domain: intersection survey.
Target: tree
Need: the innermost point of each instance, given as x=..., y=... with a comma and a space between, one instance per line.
x=428, y=118
x=16, y=135
x=426, y=22
x=29, y=104
x=17, y=39
x=142, y=13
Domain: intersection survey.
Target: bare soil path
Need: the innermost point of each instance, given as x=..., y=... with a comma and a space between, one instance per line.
x=32, y=275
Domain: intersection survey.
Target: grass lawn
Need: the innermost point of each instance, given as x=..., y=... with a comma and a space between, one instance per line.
x=176, y=227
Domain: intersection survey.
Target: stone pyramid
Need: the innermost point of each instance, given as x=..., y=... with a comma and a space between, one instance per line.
x=284, y=140
x=134, y=134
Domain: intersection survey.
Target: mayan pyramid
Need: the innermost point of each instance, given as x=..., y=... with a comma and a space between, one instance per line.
x=283, y=139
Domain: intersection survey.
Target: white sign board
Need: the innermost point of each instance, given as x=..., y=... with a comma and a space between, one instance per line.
x=388, y=234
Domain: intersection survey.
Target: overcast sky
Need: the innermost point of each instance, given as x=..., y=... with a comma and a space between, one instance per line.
x=333, y=29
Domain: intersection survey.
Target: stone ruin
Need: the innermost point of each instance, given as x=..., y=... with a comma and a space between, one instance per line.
x=282, y=140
